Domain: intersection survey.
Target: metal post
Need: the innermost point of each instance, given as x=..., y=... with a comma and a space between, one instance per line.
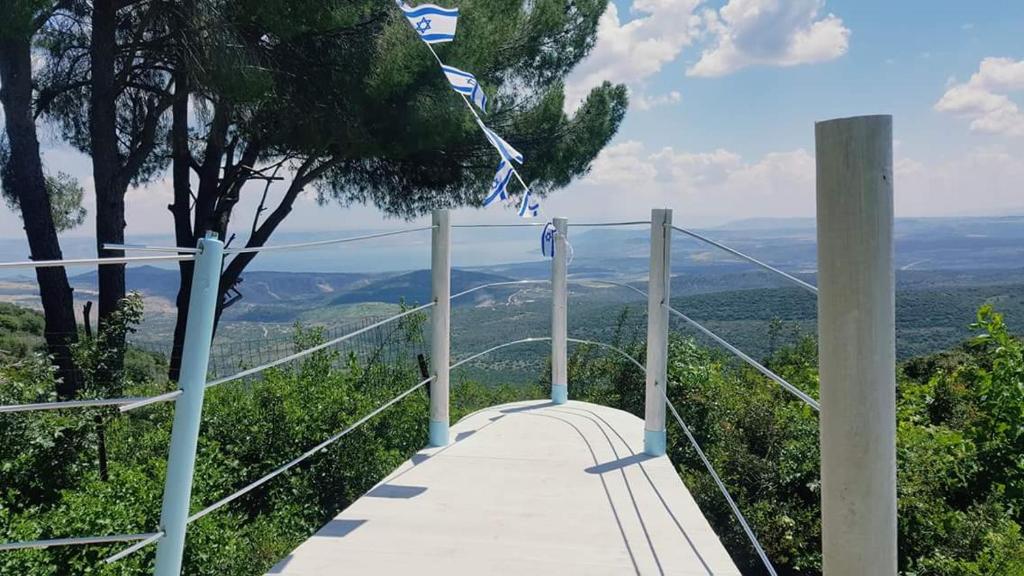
x=441, y=284
x=189, y=406
x=559, y=314
x=657, y=330
x=857, y=345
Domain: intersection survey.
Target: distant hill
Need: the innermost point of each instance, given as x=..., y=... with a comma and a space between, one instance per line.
x=256, y=287
x=414, y=287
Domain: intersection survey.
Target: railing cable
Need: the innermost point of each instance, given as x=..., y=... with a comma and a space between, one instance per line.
x=317, y=348
x=96, y=261
x=610, y=347
x=148, y=248
x=721, y=485
x=305, y=455
x=79, y=541
x=603, y=224
x=517, y=225
x=753, y=363
x=96, y=403
x=134, y=548
x=319, y=243
x=496, y=284
x=499, y=347
x=608, y=282
x=810, y=288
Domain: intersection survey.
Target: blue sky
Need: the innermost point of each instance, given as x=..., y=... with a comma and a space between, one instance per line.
x=725, y=95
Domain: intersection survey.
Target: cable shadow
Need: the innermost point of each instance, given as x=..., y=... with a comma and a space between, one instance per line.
x=625, y=480
x=618, y=464
x=604, y=484
x=654, y=487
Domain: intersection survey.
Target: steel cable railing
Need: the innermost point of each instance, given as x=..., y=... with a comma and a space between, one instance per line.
x=272, y=248
x=707, y=463
x=607, y=224
x=62, y=405
x=499, y=347
x=281, y=469
x=608, y=282
x=789, y=277
x=721, y=485
x=317, y=348
x=807, y=399
x=305, y=455
x=80, y=541
x=96, y=261
x=187, y=254
x=495, y=285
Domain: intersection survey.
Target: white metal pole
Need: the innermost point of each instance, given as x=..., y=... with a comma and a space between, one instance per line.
x=559, y=314
x=657, y=330
x=857, y=345
x=441, y=286
x=188, y=407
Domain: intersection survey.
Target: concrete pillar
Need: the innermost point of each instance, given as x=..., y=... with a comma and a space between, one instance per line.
x=658, y=291
x=559, y=313
x=188, y=408
x=857, y=345
x=441, y=286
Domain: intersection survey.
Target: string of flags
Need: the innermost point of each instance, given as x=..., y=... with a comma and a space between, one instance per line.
x=436, y=25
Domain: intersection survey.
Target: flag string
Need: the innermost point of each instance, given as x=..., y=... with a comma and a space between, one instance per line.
x=526, y=207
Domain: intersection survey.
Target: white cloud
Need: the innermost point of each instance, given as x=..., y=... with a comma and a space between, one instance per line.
x=706, y=187
x=770, y=33
x=642, y=101
x=982, y=181
x=713, y=187
x=984, y=99
x=630, y=52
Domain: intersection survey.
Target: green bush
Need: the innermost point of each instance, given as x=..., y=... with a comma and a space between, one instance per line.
x=960, y=449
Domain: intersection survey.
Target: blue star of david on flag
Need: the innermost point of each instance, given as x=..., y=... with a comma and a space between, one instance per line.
x=433, y=23
x=499, y=185
x=528, y=208
x=465, y=83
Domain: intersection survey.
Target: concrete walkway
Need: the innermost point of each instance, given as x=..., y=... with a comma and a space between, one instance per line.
x=528, y=488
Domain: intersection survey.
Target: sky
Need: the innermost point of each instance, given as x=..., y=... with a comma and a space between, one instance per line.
x=724, y=97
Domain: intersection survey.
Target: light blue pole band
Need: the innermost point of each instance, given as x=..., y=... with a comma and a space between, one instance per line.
x=654, y=442
x=438, y=434
x=560, y=393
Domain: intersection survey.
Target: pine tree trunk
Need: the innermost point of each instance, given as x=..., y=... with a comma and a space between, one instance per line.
x=27, y=183
x=106, y=162
x=181, y=159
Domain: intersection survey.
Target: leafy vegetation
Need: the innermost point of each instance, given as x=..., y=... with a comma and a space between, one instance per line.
x=248, y=430
x=960, y=449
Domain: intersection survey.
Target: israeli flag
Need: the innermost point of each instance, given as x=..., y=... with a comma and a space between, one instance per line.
x=499, y=186
x=528, y=208
x=504, y=148
x=433, y=23
x=479, y=98
x=465, y=83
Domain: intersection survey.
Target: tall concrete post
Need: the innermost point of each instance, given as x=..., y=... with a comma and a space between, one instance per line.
x=658, y=291
x=857, y=345
x=559, y=314
x=188, y=408
x=441, y=286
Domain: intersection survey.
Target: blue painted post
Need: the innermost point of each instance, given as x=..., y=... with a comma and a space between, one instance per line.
x=657, y=331
x=189, y=406
x=559, y=314
x=440, y=343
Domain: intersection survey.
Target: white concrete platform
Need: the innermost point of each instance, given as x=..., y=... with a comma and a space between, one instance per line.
x=528, y=488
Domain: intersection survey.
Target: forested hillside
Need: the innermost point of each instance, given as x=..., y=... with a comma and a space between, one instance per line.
x=961, y=479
